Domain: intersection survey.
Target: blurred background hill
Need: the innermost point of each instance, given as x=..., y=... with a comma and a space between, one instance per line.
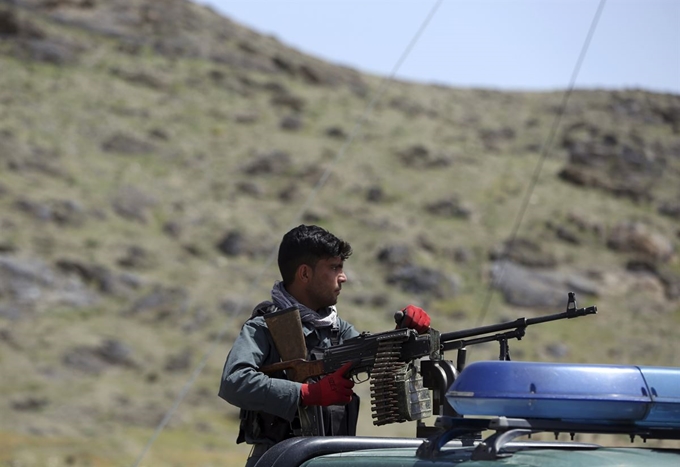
x=152, y=154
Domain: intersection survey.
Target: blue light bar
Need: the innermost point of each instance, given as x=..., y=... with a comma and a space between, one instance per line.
x=648, y=396
x=664, y=390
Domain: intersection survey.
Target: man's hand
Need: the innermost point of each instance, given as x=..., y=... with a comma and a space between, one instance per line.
x=415, y=318
x=333, y=389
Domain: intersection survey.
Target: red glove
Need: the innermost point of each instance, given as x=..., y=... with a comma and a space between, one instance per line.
x=415, y=318
x=333, y=389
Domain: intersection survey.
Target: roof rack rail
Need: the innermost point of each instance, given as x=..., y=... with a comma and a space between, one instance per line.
x=507, y=429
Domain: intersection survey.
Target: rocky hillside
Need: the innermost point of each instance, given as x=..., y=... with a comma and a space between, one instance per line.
x=152, y=154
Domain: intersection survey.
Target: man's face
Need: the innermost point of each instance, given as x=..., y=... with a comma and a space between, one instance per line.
x=326, y=281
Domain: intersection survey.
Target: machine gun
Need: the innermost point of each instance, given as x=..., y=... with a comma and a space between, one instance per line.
x=399, y=388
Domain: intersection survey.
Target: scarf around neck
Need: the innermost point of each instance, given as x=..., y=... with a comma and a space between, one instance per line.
x=282, y=299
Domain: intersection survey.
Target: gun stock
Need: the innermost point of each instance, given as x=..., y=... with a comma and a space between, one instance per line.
x=285, y=327
x=299, y=370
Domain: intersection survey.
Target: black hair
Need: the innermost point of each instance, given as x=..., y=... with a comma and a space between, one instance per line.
x=307, y=244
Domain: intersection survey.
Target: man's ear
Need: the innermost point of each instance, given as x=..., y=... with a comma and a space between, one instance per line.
x=304, y=273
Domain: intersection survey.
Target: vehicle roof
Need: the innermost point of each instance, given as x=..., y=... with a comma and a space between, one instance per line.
x=361, y=451
x=405, y=457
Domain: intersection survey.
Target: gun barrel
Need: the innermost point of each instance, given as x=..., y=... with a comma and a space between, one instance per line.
x=518, y=323
x=517, y=333
x=457, y=335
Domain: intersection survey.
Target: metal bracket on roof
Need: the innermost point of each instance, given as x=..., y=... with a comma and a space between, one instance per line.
x=466, y=430
x=490, y=448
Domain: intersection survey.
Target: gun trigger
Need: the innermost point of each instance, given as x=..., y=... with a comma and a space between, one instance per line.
x=357, y=380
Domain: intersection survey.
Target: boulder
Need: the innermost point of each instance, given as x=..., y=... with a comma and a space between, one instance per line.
x=525, y=252
x=394, y=255
x=423, y=280
x=28, y=285
x=636, y=237
x=96, y=359
x=133, y=204
x=273, y=162
x=232, y=243
x=419, y=156
x=127, y=144
x=530, y=288
x=450, y=207
x=626, y=168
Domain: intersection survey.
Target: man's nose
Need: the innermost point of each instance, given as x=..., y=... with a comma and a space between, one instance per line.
x=342, y=277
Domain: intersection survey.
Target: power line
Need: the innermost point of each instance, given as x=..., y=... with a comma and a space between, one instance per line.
x=545, y=150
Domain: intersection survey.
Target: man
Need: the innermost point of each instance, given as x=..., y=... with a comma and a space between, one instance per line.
x=311, y=263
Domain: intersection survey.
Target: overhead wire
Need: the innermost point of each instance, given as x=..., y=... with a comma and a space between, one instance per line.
x=382, y=88
x=545, y=151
